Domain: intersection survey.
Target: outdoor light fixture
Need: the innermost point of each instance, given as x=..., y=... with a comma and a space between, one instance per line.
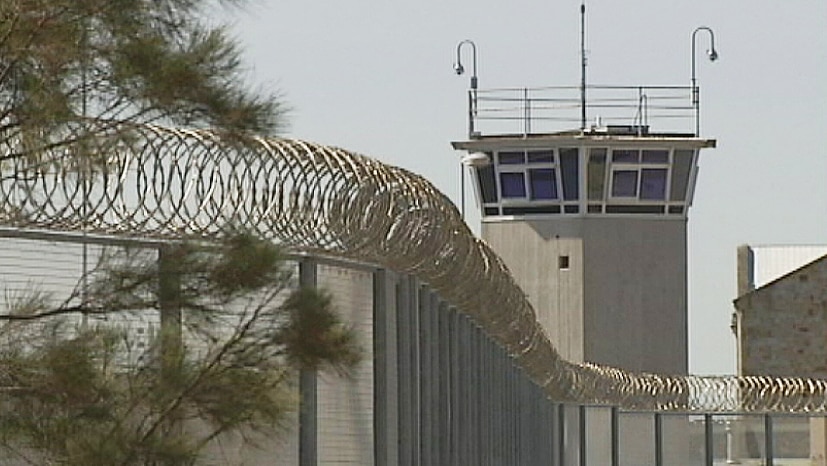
x=459, y=69
x=472, y=108
x=473, y=160
x=713, y=55
x=476, y=160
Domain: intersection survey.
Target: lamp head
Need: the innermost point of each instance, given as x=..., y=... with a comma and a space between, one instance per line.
x=458, y=68
x=713, y=54
x=476, y=160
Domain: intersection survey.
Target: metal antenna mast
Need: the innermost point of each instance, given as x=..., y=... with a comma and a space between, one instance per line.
x=583, y=65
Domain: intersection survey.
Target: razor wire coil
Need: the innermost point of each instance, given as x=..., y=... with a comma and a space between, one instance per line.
x=164, y=183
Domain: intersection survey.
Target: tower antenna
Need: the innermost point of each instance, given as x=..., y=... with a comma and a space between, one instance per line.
x=583, y=65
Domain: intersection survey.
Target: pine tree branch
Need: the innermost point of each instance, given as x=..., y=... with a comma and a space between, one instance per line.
x=79, y=309
x=238, y=335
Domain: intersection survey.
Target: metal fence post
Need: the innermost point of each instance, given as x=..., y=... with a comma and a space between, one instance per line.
x=708, y=453
x=581, y=423
x=658, y=439
x=308, y=403
x=615, y=420
x=768, y=435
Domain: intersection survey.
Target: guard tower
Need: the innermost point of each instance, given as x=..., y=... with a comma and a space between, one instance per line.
x=592, y=222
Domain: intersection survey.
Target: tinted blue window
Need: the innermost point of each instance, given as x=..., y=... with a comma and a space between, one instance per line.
x=653, y=183
x=485, y=177
x=656, y=156
x=680, y=174
x=596, y=180
x=570, y=171
x=624, y=183
x=511, y=158
x=541, y=156
x=512, y=185
x=626, y=156
x=543, y=183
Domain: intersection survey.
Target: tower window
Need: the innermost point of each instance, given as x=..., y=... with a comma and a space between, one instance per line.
x=680, y=174
x=541, y=156
x=563, y=262
x=512, y=185
x=656, y=156
x=596, y=174
x=535, y=181
x=624, y=183
x=625, y=156
x=511, y=158
x=653, y=184
x=640, y=174
x=488, y=186
x=533, y=176
x=542, y=183
x=570, y=169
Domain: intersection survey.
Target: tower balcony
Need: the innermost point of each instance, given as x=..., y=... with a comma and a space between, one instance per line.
x=595, y=109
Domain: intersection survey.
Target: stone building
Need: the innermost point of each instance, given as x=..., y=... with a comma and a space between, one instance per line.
x=780, y=323
x=780, y=316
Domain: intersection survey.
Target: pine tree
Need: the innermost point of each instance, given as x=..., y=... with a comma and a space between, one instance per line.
x=234, y=330
x=66, y=62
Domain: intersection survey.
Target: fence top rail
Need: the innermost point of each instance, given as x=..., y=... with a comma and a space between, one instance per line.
x=602, y=87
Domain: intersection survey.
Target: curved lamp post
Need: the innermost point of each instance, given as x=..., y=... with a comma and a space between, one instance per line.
x=713, y=55
x=472, y=106
x=472, y=95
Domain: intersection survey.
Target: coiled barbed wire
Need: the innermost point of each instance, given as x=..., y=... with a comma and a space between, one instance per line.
x=154, y=182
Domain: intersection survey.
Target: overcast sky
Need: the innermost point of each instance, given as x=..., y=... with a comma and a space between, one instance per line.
x=376, y=77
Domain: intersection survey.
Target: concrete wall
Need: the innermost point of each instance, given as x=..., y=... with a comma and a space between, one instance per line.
x=532, y=250
x=622, y=301
x=635, y=294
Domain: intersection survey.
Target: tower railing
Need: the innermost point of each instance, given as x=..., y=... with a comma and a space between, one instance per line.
x=542, y=110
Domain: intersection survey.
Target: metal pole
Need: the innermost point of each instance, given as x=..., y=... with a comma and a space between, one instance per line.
x=658, y=439
x=615, y=421
x=526, y=113
x=471, y=113
x=583, y=66
x=472, y=93
x=562, y=431
x=462, y=189
x=84, y=172
x=581, y=422
x=730, y=444
x=708, y=453
x=768, y=435
x=713, y=55
x=308, y=387
x=695, y=94
x=472, y=109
